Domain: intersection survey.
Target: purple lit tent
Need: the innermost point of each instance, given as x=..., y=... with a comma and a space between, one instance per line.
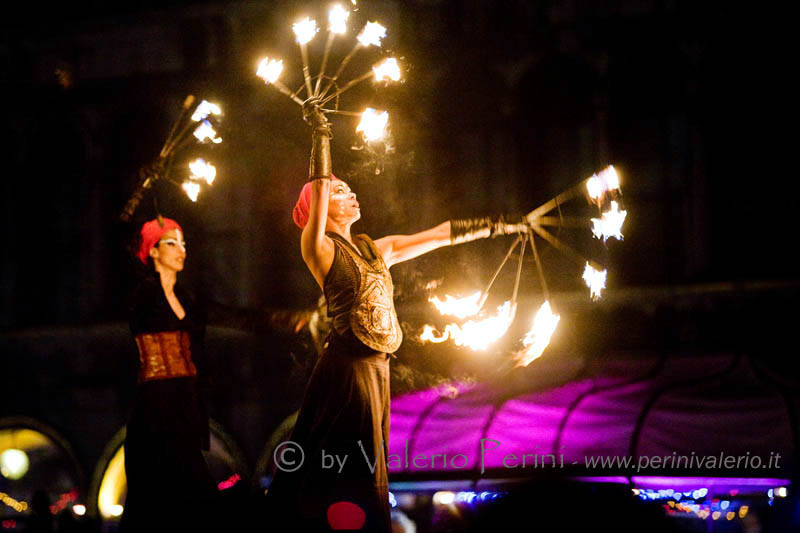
x=678, y=405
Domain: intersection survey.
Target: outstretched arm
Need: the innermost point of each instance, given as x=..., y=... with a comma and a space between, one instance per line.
x=398, y=248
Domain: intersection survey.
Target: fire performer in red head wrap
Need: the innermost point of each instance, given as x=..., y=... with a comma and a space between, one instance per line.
x=169, y=485
x=345, y=411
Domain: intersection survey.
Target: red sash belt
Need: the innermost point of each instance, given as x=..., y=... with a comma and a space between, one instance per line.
x=165, y=355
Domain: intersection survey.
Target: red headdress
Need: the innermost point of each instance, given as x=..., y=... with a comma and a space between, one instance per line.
x=301, y=208
x=152, y=232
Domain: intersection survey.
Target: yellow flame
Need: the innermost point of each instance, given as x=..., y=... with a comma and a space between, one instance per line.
x=270, y=69
x=206, y=131
x=204, y=109
x=610, y=225
x=429, y=335
x=595, y=187
x=192, y=189
x=337, y=18
x=202, y=170
x=595, y=280
x=373, y=124
x=475, y=334
x=610, y=178
x=305, y=30
x=457, y=307
x=599, y=184
x=372, y=34
x=537, y=339
x=388, y=69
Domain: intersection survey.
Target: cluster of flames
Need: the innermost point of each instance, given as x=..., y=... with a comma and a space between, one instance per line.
x=373, y=122
x=482, y=329
x=200, y=170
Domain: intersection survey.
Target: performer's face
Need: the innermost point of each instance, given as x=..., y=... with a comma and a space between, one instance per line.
x=342, y=204
x=170, y=252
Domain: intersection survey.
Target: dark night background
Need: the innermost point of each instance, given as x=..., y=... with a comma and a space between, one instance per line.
x=504, y=105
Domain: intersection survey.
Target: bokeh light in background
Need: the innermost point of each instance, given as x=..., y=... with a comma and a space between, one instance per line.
x=13, y=463
x=109, y=486
x=36, y=464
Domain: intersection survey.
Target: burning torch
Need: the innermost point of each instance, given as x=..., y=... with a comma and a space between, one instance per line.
x=200, y=123
x=602, y=190
x=322, y=92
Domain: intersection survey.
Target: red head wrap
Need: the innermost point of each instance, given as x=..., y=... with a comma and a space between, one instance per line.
x=152, y=232
x=301, y=208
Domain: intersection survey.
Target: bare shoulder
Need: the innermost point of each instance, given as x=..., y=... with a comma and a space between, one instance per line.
x=318, y=255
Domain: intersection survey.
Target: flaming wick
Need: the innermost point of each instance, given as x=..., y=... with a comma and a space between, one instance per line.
x=337, y=18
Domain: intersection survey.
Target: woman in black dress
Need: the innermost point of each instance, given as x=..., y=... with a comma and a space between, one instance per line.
x=345, y=410
x=169, y=486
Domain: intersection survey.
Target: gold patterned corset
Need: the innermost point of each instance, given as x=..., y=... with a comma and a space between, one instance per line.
x=368, y=306
x=165, y=355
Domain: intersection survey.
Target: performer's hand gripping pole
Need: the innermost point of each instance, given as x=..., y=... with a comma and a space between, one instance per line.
x=148, y=175
x=320, y=164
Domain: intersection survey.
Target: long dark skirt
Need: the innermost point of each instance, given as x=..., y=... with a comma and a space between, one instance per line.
x=343, y=430
x=169, y=484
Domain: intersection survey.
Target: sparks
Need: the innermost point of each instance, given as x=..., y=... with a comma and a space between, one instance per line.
x=192, y=189
x=206, y=131
x=476, y=334
x=537, y=339
x=373, y=124
x=458, y=307
x=204, y=109
x=388, y=69
x=202, y=170
x=595, y=280
x=270, y=69
x=610, y=225
x=337, y=18
x=305, y=30
x=372, y=34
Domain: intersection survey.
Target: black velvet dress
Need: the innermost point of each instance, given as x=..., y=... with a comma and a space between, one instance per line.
x=344, y=414
x=169, y=485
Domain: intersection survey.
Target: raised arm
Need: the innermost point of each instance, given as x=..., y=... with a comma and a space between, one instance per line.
x=316, y=247
x=398, y=248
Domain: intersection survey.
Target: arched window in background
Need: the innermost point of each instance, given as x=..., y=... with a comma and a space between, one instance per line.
x=108, y=489
x=39, y=475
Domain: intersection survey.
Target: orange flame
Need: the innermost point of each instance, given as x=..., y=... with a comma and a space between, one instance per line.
x=538, y=338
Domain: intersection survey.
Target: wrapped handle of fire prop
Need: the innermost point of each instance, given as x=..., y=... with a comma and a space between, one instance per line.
x=470, y=229
x=147, y=176
x=320, y=165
